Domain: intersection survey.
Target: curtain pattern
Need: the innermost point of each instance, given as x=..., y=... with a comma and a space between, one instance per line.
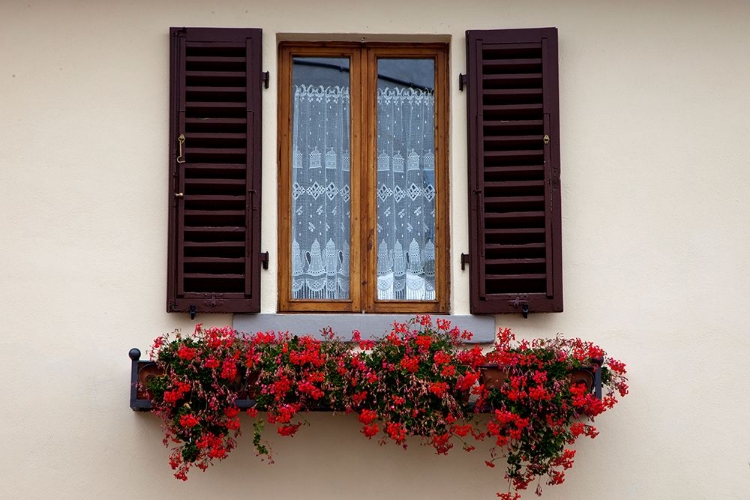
x=321, y=194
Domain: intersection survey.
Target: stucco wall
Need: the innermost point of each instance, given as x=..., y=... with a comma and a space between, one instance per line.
x=655, y=139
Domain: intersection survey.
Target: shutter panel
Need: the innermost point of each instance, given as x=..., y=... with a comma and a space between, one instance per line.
x=514, y=171
x=215, y=170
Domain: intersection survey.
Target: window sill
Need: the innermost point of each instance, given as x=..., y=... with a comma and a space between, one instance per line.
x=370, y=326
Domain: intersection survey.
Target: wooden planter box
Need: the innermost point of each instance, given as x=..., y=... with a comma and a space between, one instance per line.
x=493, y=376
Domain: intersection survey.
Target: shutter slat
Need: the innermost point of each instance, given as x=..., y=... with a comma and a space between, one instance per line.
x=218, y=244
x=213, y=229
x=218, y=58
x=502, y=277
x=215, y=121
x=215, y=251
x=216, y=105
x=214, y=136
x=215, y=276
x=205, y=182
x=514, y=171
x=491, y=262
x=214, y=260
x=214, y=74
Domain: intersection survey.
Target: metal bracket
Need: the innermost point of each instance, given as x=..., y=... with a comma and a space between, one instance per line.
x=265, y=77
x=464, y=261
x=193, y=311
x=264, y=260
x=461, y=81
x=520, y=301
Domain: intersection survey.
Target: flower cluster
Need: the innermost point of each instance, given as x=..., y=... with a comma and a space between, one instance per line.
x=196, y=395
x=538, y=410
x=418, y=381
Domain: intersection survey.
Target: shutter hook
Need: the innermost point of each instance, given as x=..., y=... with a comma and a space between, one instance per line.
x=181, y=141
x=193, y=311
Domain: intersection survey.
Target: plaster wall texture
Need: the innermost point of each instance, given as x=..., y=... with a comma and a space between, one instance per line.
x=655, y=140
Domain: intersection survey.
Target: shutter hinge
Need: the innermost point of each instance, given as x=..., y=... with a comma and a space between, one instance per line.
x=264, y=260
x=464, y=261
x=265, y=78
x=461, y=81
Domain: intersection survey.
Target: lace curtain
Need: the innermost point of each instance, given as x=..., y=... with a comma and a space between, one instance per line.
x=321, y=194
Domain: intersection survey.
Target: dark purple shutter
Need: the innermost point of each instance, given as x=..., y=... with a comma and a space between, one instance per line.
x=215, y=170
x=514, y=171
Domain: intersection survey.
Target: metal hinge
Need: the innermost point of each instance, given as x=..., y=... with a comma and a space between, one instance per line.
x=265, y=78
x=464, y=261
x=264, y=260
x=461, y=81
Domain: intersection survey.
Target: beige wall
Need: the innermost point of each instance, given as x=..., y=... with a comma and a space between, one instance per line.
x=655, y=142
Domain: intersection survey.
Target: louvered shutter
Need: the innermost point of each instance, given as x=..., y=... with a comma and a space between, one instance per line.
x=215, y=170
x=514, y=171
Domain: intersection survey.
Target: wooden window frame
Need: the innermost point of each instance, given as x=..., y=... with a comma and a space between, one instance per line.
x=363, y=244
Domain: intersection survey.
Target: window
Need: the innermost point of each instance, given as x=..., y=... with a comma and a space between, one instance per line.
x=514, y=171
x=363, y=202
x=363, y=174
x=214, y=188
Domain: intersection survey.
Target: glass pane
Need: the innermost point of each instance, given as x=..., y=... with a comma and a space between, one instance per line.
x=320, y=178
x=406, y=179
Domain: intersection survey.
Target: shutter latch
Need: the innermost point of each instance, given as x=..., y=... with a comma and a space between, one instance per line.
x=546, y=139
x=264, y=260
x=181, y=142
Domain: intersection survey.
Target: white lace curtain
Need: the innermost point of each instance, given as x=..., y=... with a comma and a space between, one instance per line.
x=321, y=194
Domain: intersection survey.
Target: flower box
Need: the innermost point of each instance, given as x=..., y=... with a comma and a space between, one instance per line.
x=493, y=376
x=412, y=383
x=143, y=370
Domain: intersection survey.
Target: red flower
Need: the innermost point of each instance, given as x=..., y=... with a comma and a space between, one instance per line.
x=367, y=416
x=211, y=363
x=189, y=421
x=448, y=371
x=441, y=358
x=288, y=430
x=370, y=430
x=229, y=370
x=438, y=388
x=410, y=364
x=423, y=342
x=396, y=432
x=231, y=412
x=186, y=353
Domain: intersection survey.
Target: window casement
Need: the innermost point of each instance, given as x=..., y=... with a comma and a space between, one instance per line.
x=215, y=171
x=363, y=180
x=515, y=245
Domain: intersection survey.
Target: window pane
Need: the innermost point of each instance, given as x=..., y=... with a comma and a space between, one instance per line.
x=320, y=178
x=406, y=179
